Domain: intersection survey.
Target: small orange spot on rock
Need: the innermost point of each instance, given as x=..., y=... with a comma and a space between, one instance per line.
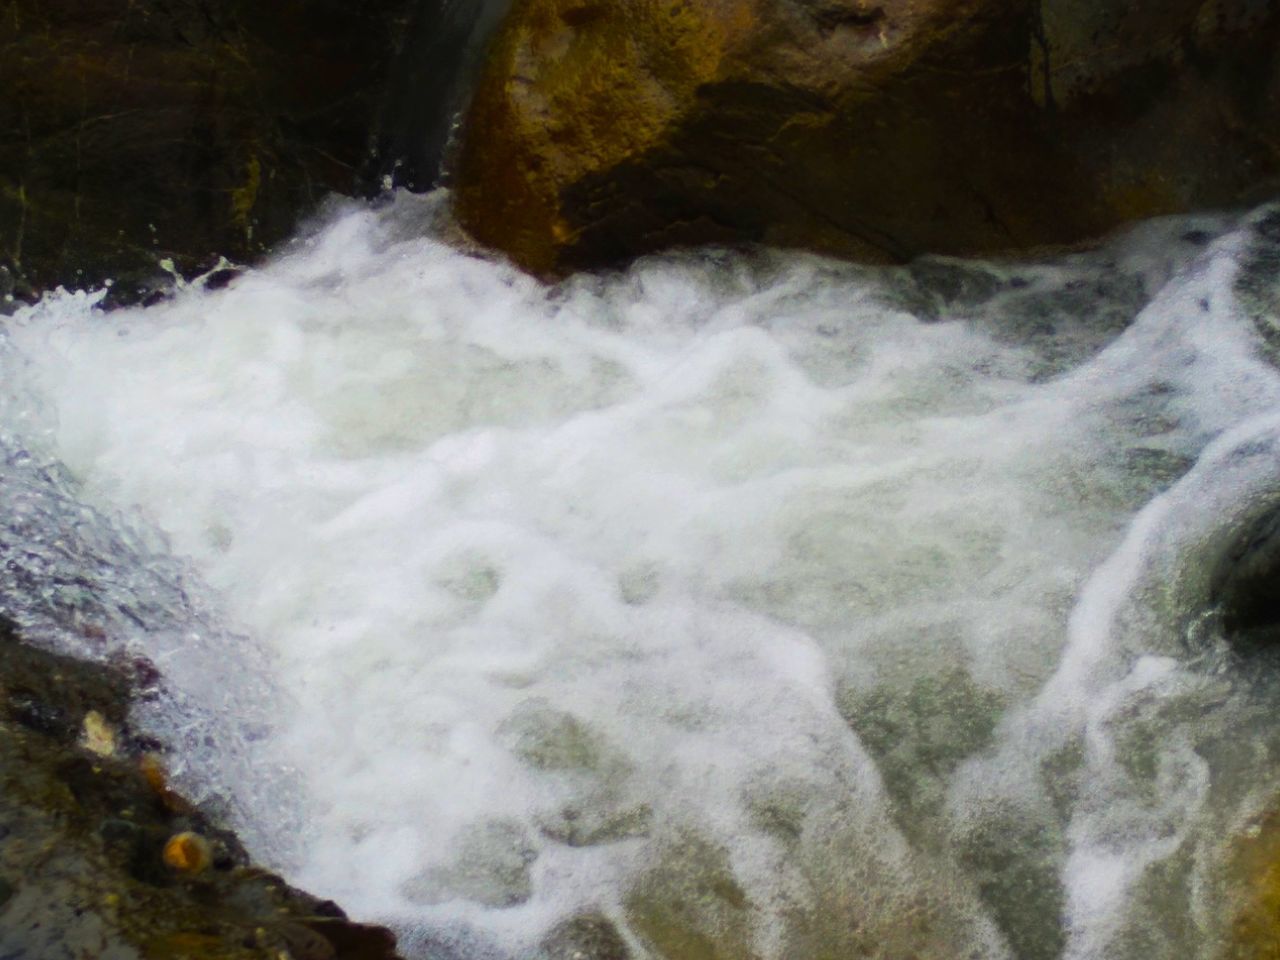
x=188, y=853
x=157, y=778
x=561, y=230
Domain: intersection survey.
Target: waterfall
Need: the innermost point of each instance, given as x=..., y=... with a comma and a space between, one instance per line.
x=441, y=50
x=741, y=604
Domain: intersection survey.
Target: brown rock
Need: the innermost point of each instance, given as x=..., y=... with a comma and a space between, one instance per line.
x=1253, y=875
x=874, y=129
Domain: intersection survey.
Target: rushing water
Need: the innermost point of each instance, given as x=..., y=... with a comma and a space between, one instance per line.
x=765, y=606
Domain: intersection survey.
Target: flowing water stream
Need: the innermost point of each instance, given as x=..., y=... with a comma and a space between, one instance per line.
x=753, y=604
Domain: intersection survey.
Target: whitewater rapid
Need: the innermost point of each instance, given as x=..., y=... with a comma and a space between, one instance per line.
x=760, y=605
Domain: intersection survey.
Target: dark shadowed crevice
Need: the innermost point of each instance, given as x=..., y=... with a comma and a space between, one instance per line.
x=1246, y=587
x=431, y=76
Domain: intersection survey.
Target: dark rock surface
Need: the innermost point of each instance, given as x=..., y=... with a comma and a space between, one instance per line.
x=1245, y=589
x=89, y=864
x=443, y=46
x=873, y=129
x=137, y=130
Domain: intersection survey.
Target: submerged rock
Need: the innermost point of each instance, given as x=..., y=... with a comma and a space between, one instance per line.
x=1254, y=876
x=874, y=130
x=691, y=907
x=493, y=868
x=586, y=937
x=97, y=860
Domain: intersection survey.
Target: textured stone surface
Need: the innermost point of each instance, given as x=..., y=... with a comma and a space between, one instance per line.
x=86, y=837
x=1253, y=877
x=135, y=130
x=875, y=130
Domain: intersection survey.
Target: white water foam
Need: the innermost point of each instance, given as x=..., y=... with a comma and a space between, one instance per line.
x=755, y=602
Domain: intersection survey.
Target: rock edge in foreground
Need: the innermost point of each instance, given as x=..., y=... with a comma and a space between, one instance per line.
x=98, y=857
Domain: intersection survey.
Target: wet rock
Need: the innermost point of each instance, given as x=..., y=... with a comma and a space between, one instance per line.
x=1015, y=858
x=549, y=739
x=134, y=131
x=557, y=743
x=52, y=696
x=602, y=817
x=878, y=131
x=689, y=906
x=353, y=941
x=493, y=867
x=920, y=725
x=587, y=937
x=1253, y=876
x=96, y=846
x=1245, y=590
x=1257, y=286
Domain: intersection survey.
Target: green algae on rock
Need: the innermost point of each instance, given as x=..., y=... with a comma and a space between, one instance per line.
x=877, y=131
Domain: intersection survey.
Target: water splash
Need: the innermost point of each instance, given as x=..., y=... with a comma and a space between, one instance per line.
x=764, y=605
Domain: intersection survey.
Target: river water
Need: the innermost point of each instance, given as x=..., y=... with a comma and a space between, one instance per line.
x=761, y=605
